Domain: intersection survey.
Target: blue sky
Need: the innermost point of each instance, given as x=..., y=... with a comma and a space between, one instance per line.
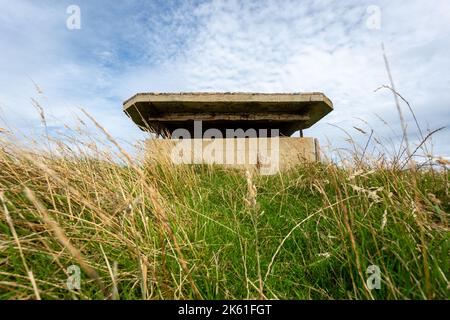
x=125, y=47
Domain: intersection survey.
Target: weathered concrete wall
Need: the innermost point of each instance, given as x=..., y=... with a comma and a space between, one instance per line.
x=267, y=154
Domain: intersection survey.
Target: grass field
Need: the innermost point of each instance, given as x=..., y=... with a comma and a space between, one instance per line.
x=156, y=231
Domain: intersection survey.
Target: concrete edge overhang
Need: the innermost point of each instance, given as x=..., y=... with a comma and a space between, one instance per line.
x=289, y=111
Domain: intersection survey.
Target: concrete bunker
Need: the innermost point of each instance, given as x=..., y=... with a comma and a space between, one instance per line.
x=239, y=125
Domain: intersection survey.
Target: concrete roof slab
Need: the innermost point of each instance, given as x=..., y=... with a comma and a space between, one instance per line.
x=169, y=111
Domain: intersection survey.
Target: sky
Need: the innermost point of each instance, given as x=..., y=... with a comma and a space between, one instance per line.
x=120, y=48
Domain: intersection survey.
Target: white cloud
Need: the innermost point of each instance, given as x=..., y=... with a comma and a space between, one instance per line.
x=268, y=46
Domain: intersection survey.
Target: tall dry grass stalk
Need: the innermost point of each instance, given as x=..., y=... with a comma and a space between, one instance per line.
x=64, y=240
x=421, y=215
x=152, y=230
x=19, y=246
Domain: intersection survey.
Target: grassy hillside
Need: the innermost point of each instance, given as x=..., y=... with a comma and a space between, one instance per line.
x=164, y=232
